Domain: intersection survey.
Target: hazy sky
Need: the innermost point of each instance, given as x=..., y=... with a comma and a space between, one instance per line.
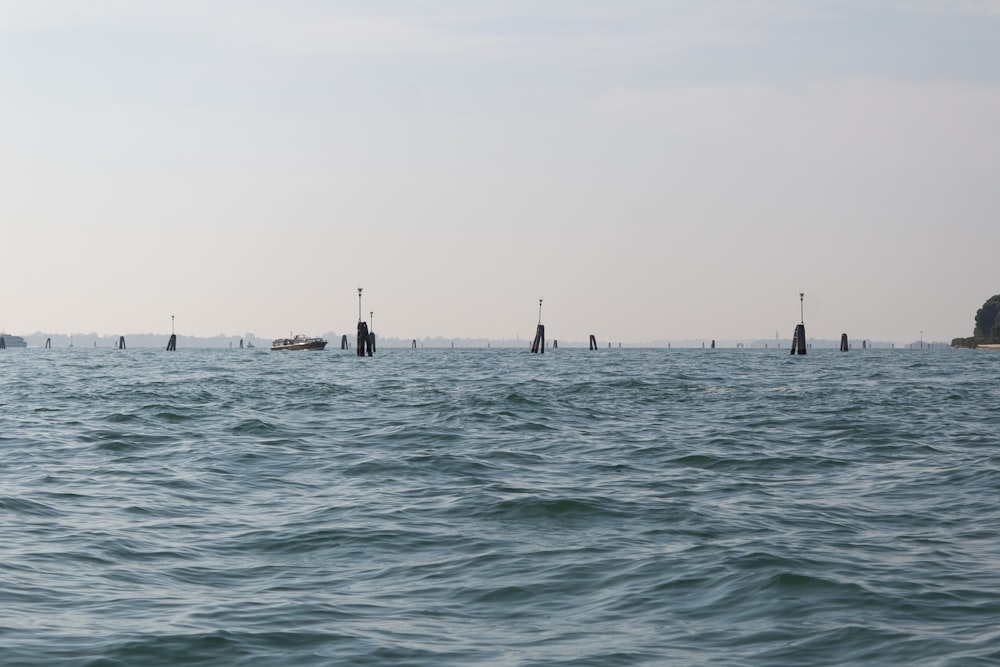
x=654, y=170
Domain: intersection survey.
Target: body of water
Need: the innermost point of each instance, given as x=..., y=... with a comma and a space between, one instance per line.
x=494, y=507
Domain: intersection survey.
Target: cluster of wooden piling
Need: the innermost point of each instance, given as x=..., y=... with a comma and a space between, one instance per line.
x=172, y=343
x=366, y=340
x=538, y=345
x=799, y=339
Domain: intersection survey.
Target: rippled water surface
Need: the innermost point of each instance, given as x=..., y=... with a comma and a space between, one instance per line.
x=493, y=507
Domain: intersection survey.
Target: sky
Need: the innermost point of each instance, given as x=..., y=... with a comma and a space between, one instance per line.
x=654, y=170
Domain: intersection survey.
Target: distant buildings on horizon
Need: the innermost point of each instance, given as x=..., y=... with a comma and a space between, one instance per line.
x=147, y=340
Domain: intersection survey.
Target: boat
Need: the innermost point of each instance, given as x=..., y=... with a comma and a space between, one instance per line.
x=12, y=341
x=300, y=342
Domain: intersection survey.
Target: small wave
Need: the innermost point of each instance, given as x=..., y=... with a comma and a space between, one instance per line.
x=554, y=509
x=27, y=507
x=256, y=427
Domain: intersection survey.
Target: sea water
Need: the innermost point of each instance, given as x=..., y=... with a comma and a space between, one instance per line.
x=493, y=507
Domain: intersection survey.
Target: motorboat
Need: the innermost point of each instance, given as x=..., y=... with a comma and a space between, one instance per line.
x=300, y=342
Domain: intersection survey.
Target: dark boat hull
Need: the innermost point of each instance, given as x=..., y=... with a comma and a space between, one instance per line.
x=310, y=345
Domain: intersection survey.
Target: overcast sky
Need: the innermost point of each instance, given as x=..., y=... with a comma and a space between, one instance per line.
x=653, y=170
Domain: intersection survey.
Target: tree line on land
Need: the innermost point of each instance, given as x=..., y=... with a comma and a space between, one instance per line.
x=987, y=331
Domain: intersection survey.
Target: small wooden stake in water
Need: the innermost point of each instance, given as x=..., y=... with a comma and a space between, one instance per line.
x=593, y=342
x=343, y=342
x=121, y=343
x=48, y=343
x=844, y=347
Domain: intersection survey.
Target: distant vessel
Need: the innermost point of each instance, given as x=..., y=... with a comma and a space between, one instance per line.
x=13, y=341
x=300, y=342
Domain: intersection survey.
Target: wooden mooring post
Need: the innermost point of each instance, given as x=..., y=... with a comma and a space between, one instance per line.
x=593, y=342
x=343, y=342
x=844, y=345
x=121, y=343
x=364, y=340
x=172, y=343
x=414, y=345
x=799, y=337
x=3, y=343
x=48, y=343
x=538, y=345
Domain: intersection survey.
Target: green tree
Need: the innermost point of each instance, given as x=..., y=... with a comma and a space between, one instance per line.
x=988, y=320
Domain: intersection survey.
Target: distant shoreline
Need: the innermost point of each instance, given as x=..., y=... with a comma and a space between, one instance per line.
x=155, y=340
